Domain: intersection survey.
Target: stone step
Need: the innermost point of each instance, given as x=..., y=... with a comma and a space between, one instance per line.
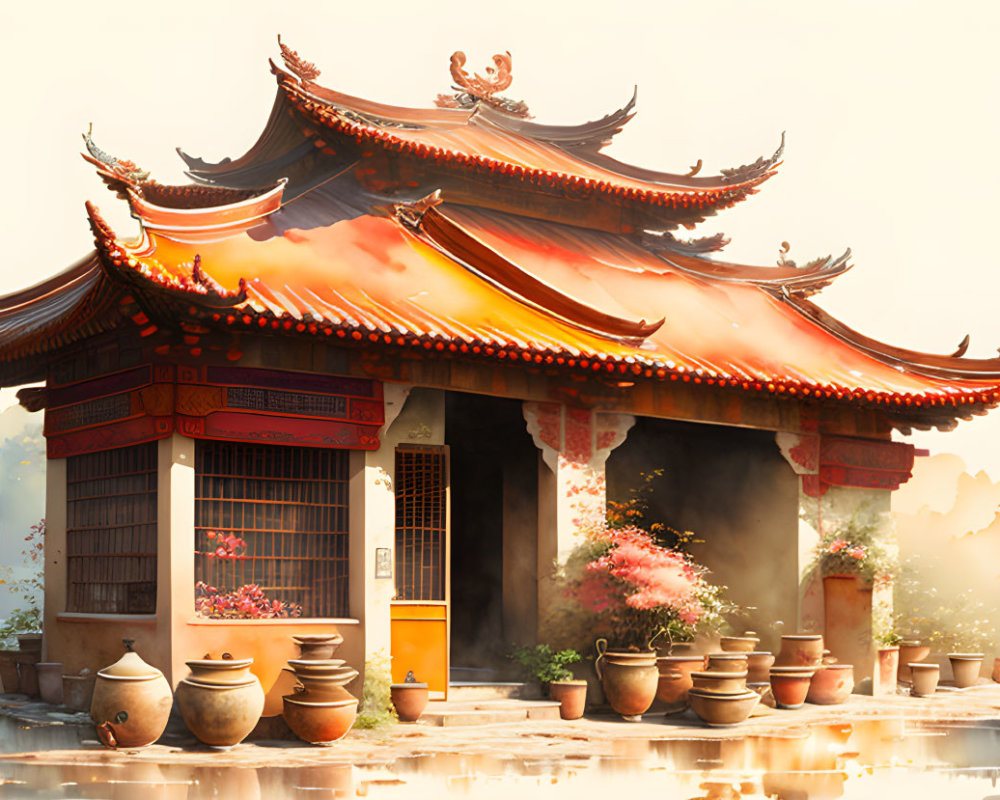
x=489, y=712
x=463, y=691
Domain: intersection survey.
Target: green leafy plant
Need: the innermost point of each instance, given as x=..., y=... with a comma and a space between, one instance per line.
x=376, y=712
x=544, y=664
x=27, y=617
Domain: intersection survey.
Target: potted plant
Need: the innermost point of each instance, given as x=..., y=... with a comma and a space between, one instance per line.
x=23, y=626
x=549, y=668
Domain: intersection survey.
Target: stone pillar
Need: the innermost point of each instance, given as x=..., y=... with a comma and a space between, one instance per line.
x=838, y=476
x=574, y=445
x=174, y=548
x=54, y=601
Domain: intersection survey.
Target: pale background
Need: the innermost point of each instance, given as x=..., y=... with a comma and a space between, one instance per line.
x=890, y=112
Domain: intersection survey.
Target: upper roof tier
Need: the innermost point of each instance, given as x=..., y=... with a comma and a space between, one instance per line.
x=285, y=242
x=480, y=152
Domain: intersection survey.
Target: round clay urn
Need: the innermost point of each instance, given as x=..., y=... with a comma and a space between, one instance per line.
x=131, y=702
x=790, y=685
x=759, y=664
x=739, y=644
x=221, y=700
x=629, y=679
x=831, y=684
x=314, y=646
x=723, y=709
x=571, y=696
x=319, y=722
x=800, y=650
x=727, y=662
x=965, y=668
x=925, y=678
x=675, y=677
x=910, y=652
x=409, y=698
x=720, y=682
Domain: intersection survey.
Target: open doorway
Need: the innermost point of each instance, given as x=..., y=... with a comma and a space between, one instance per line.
x=492, y=457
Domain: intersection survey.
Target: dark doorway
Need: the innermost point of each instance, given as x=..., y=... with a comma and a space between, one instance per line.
x=488, y=442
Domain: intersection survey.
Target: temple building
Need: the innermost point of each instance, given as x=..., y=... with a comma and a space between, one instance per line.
x=367, y=375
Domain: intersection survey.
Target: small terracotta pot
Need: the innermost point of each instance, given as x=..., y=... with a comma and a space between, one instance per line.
x=759, y=664
x=831, y=684
x=727, y=662
x=925, y=678
x=910, y=652
x=319, y=723
x=965, y=668
x=629, y=679
x=675, y=677
x=739, y=644
x=50, y=682
x=723, y=709
x=409, y=699
x=720, y=682
x=571, y=696
x=789, y=686
x=313, y=646
x=800, y=650
x=78, y=691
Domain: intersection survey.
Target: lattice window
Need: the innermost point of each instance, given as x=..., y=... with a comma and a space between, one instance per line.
x=111, y=531
x=421, y=522
x=288, y=505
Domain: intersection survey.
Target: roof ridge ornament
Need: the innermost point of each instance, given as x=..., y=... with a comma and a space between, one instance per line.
x=305, y=71
x=473, y=89
x=114, y=171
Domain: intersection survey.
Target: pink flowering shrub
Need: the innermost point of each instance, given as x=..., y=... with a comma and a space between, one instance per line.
x=246, y=602
x=858, y=545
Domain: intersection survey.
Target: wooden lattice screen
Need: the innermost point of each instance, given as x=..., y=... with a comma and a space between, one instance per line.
x=421, y=523
x=111, y=531
x=289, y=505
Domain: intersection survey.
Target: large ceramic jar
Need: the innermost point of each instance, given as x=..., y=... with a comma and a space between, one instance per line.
x=221, y=700
x=321, y=722
x=800, y=650
x=831, y=684
x=131, y=702
x=629, y=679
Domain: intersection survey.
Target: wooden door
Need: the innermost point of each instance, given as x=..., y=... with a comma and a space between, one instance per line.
x=420, y=625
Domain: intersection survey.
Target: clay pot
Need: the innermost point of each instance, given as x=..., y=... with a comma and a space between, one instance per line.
x=131, y=702
x=629, y=679
x=790, y=685
x=50, y=682
x=571, y=696
x=675, y=677
x=723, y=709
x=720, y=682
x=800, y=650
x=319, y=723
x=409, y=700
x=727, y=662
x=759, y=664
x=219, y=709
x=925, y=678
x=886, y=669
x=314, y=646
x=739, y=644
x=831, y=684
x=317, y=690
x=78, y=691
x=910, y=652
x=8, y=671
x=996, y=670
x=964, y=668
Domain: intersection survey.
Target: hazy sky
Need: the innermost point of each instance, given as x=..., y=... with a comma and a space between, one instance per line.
x=890, y=112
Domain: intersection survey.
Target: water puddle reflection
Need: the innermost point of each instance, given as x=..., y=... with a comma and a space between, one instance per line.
x=867, y=758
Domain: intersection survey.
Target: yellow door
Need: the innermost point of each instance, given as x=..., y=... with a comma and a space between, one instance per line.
x=419, y=617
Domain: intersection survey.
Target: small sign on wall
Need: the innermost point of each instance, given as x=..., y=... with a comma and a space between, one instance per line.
x=383, y=562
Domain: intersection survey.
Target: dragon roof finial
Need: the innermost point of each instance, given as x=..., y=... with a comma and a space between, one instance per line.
x=477, y=88
x=306, y=71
